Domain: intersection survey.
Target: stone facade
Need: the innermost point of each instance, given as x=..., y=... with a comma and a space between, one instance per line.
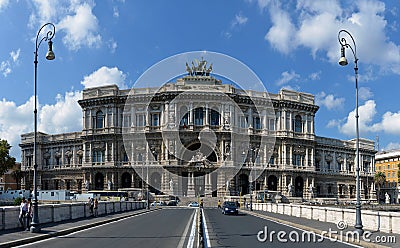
x=120, y=143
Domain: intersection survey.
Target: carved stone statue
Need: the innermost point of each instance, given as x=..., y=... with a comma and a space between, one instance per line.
x=171, y=186
x=200, y=69
x=387, y=198
x=189, y=70
x=109, y=185
x=311, y=190
x=87, y=184
x=289, y=188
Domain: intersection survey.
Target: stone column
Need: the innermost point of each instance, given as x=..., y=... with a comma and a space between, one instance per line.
x=191, y=191
x=207, y=117
x=191, y=114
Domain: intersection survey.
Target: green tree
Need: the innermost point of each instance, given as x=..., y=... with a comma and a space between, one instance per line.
x=17, y=175
x=6, y=161
x=379, y=179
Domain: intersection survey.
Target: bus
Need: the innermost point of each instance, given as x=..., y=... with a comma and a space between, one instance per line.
x=109, y=195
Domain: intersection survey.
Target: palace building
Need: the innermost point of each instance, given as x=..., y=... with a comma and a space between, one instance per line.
x=199, y=135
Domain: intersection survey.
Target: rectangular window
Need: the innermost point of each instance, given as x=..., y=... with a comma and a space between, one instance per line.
x=127, y=121
x=309, y=121
x=198, y=117
x=155, y=120
x=98, y=157
x=271, y=124
x=243, y=121
x=272, y=160
x=298, y=159
x=257, y=122
x=288, y=121
x=140, y=120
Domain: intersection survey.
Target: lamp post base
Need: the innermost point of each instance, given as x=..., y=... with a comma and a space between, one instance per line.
x=34, y=228
x=359, y=229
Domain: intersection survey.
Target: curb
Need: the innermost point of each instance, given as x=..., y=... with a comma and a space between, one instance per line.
x=310, y=229
x=69, y=230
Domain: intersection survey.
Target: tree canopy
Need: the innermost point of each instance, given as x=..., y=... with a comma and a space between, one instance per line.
x=6, y=161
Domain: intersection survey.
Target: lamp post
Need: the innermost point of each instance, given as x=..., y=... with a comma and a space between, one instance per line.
x=50, y=56
x=343, y=62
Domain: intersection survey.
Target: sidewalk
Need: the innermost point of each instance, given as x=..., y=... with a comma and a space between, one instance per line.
x=319, y=226
x=15, y=237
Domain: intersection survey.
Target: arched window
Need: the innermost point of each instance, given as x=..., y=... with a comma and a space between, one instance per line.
x=297, y=124
x=99, y=119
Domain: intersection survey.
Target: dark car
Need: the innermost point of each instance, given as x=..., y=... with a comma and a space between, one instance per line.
x=172, y=203
x=229, y=207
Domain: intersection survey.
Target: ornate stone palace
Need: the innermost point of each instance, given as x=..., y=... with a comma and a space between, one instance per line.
x=182, y=138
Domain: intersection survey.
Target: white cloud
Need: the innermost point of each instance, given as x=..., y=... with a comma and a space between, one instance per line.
x=329, y=101
x=366, y=115
x=105, y=76
x=315, y=75
x=115, y=12
x=15, y=120
x=365, y=93
x=287, y=76
x=73, y=17
x=281, y=34
x=63, y=116
x=45, y=11
x=15, y=55
x=392, y=146
x=334, y=123
x=112, y=45
x=315, y=24
x=6, y=65
x=81, y=28
x=390, y=123
x=3, y=4
x=239, y=20
x=5, y=68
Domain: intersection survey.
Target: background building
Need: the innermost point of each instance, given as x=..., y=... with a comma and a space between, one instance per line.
x=11, y=179
x=388, y=163
x=156, y=134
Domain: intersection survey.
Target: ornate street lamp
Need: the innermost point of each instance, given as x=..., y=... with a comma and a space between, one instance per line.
x=50, y=56
x=343, y=62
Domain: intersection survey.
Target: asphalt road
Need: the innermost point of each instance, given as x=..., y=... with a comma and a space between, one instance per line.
x=242, y=231
x=163, y=228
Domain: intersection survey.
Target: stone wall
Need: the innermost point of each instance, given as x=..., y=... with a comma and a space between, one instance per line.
x=372, y=220
x=60, y=212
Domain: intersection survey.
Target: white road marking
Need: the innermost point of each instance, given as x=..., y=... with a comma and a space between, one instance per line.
x=185, y=232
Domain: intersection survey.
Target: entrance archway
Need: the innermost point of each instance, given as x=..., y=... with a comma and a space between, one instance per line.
x=155, y=183
x=99, y=181
x=272, y=183
x=126, y=180
x=298, y=186
x=243, y=184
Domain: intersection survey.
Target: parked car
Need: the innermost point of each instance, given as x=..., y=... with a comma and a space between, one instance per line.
x=172, y=203
x=229, y=207
x=159, y=203
x=194, y=204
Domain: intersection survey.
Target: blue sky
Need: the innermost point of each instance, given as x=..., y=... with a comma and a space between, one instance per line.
x=288, y=44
